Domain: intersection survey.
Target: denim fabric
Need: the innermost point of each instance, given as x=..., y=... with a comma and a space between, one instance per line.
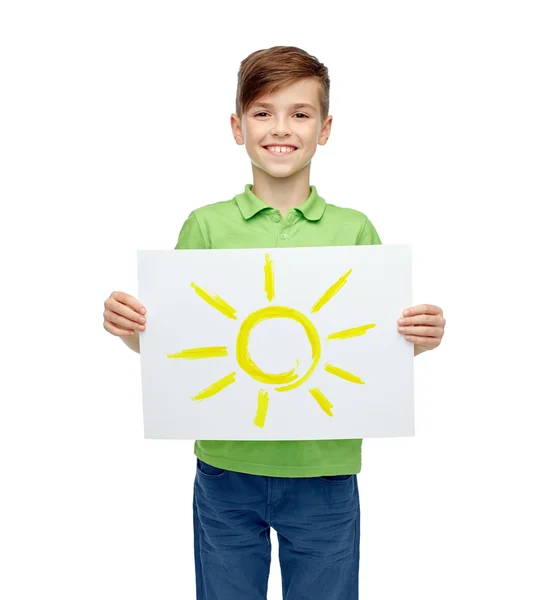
x=317, y=520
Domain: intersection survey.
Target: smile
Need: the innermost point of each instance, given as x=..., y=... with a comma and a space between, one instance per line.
x=281, y=152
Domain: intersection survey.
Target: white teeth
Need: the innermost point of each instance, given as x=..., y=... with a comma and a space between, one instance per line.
x=280, y=149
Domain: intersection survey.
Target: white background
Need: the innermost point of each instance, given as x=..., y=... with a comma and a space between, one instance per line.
x=115, y=125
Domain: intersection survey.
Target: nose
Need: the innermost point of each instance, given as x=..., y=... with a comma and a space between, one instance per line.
x=281, y=127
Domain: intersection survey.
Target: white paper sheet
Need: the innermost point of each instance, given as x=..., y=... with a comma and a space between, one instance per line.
x=230, y=334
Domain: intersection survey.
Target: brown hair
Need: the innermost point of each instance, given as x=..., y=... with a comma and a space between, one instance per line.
x=266, y=71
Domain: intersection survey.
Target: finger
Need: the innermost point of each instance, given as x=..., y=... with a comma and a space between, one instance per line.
x=423, y=341
x=431, y=320
x=117, y=330
x=122, y=322
x=432, y=332
x=426, y=309
x=124, y=310
x=128, y=300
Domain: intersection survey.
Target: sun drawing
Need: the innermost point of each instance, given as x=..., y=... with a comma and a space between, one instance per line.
x=283, y=382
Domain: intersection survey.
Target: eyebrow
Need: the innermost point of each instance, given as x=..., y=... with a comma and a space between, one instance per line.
x=297, y=105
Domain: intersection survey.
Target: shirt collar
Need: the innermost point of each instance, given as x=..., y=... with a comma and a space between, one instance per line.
x=249, y=204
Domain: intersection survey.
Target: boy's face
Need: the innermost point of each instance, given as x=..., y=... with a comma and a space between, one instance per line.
x=274, y=120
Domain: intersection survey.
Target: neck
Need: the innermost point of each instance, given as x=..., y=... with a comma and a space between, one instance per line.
x=282, y=193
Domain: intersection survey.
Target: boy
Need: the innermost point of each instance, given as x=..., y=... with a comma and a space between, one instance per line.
x=306, y=490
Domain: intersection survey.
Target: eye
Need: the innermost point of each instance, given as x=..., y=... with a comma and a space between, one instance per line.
x=265, y=113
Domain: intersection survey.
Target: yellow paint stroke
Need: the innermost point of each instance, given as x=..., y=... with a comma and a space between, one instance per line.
x=349, y=333
x=216, y=387
x=323, y=402
x=343, y=374
x=206, y=352
x=330, y=292
x=262, y=410
x=216, y=302
x=248, y=365
x=269, y=278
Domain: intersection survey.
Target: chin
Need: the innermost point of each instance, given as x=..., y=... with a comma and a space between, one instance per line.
x=281, y=175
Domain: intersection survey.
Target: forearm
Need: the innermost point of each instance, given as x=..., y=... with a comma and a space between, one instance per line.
x=132, y=341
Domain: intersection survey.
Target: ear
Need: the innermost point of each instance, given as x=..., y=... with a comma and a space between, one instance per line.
x=236, y=129
x=325, y=131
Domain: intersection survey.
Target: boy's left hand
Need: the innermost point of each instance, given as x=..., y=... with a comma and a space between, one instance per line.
x=423, y=325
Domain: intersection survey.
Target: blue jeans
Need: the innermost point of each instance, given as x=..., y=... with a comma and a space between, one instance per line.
x=317, y=520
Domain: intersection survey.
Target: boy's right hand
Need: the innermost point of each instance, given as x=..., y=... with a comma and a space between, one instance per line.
x=124, y=315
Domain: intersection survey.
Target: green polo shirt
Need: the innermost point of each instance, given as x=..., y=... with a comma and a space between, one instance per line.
x=245, y=221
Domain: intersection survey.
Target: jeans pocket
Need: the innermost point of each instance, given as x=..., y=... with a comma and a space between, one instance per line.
x=336, y=478
x=208, y=471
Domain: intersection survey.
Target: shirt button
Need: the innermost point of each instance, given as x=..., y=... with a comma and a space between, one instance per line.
x=283, y=236
x=276, y=218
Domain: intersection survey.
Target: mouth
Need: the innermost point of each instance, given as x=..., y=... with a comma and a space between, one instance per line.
x=282, y=154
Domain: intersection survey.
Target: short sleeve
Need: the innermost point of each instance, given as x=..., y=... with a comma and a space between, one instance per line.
x=368, y=235
x=190, y=236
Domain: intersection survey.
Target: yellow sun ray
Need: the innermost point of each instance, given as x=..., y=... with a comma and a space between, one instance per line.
x=262, y=410
x=216, y=387
x=206, y=352
x=349, y=333
x=323, y=402
x=216, y=302
x=269, y=279
x=342, y=374
x=330, y=292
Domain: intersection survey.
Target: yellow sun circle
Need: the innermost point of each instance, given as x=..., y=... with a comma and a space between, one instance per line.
x=249, y=366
